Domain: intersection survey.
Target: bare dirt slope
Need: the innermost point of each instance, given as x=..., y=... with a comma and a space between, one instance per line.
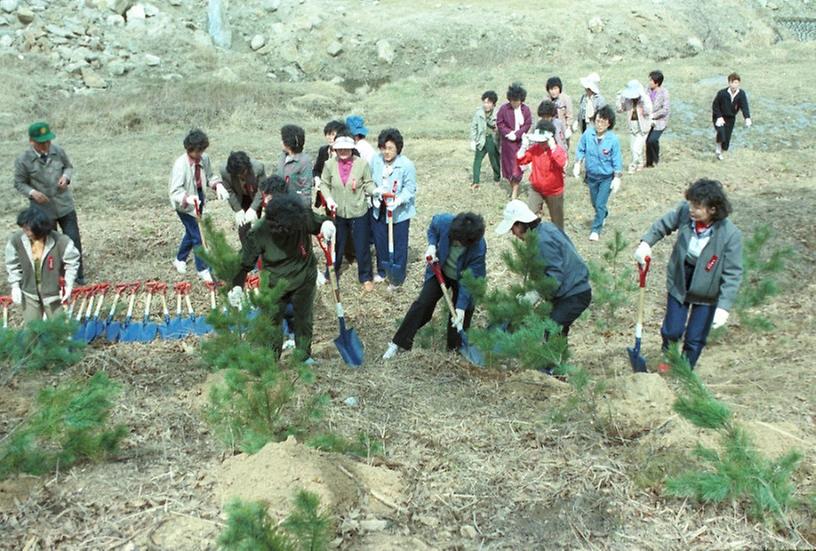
x=473, y=459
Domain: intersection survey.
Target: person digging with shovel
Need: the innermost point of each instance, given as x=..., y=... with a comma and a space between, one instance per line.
x=283, y=243
x=705, y=268
x=564, y=264
x=457, y=244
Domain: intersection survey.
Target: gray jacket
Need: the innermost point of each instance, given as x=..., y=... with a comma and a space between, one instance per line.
x=564, y=264
x=718, y=272
x=236, y=190
x=60, y=257
x=30, y=173
x=481, y=124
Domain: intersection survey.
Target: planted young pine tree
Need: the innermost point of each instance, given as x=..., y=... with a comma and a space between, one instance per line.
x=250, y=528
x=256, y=403
x=613, y=282
x=39, y=345
x=71, y=424
x=737, y=473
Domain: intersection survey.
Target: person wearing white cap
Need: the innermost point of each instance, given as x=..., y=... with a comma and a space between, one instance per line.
x=564, y=264
x=590, y=102
x=636, y=106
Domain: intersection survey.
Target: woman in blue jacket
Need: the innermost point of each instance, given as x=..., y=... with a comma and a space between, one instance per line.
x=457, y=243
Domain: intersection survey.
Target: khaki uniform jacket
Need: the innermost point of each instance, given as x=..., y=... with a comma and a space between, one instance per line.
x=31, y=173
x=60, y=256
x=297, y=172
x=481, y=124
x=351, y=198
x=182, y=181
x=236, y=190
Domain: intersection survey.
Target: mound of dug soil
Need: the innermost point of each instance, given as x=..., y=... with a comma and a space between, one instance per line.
x=279, y=470
x=637, y=403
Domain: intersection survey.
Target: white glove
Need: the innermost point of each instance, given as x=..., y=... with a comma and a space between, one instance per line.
x=616, y=184
x=221, y=192
x=720, y=317
x=458, y=320
x=748, y=123
x=719, y=122
x=16, y=294
x=576, y=170
x=250, y=216
x=530, y=297
x=317, y=183
x=575, y=126
x=394, y=203
x=240, y=218
x=472, y=146
x=431, y=252
x=236, y=296
x=328, y=231
x=567, y=133
x=643, y=250
x=551, y=144
x=330, y=204
x=65, y=294
x=521, y=152
x=511, y=136
x=525, y=141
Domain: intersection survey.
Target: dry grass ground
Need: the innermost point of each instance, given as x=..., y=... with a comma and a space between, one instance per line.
x=480, y=451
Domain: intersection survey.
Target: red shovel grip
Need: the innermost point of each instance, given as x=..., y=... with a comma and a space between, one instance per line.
x=436, y=269
x=643, y=270
x=182, y=287
x=253, y=281
x=5, y=301
x=325, y=249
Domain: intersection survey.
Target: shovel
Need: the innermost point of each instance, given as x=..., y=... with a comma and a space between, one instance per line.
x=94, y=326
x=5, y=302
x=470, y=353
x=82, y=294
x=197, y=324
x=116, y=330
x=639, y=362
x=146, y=330
x=253, y=283
x=179, y=327
x=119, y=288
x=347, y=342
x=164, y=328
x=197, y=205
x=391, y=268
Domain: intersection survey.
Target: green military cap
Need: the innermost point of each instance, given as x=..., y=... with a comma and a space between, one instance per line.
x=40, y=132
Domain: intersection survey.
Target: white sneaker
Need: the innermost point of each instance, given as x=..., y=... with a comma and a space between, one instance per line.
x=180, y=266
x=391, y=351
x=719, y=156
x=393, y=288
x=378, y=278
x=594, y=236
x=288, y=343
x=205, y=276
x=321, y=278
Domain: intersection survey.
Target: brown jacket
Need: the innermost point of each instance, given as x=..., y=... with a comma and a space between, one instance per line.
x=60, y=257
x=236, y=190
x=32, y=173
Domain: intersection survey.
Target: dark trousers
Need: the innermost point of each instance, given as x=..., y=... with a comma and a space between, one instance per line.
x=69, y=225
x=492, y=151
x=692, y=319
x=724, y=132
x=192, y=235
x=568, y=309
x=300, y=302
x=653, y=147
x=421, y=312
x=380, y=230
x=359, y=229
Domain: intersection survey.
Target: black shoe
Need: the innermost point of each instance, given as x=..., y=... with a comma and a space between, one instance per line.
x=79, y=281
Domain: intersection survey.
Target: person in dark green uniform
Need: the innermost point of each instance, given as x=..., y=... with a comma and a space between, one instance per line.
x=282, y=239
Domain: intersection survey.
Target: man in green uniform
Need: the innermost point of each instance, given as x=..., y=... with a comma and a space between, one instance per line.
x=43, y=174
x=283, y=242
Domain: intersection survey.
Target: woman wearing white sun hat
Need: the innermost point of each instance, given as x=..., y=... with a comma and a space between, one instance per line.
x=590, y=102
x=635, y=104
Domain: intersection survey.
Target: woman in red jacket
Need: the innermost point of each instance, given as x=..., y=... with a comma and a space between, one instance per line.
x=547, y=178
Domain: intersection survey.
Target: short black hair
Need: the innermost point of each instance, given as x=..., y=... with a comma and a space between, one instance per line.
x=607, y=113
x=196, y=140
x=516, y=92
x=238, y=163
x=286, y=214
x=274, y=185
x=552, y=82
x=734, y=76
x=35, y=219
x=467, y=228
x=547, y=109
x=657, y=77
x=526, y=226
x=492, y=96
x=710, y=194
x=546, y=126
x=334, y=127
x=293, y=137
x=390, y=135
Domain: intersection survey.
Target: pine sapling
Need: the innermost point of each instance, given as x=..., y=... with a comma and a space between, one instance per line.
x=40, y=345
x=613, y=282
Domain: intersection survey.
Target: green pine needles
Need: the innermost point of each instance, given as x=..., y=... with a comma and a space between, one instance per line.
x=613, y=283
x=739, y=472
x=39, y=345
x=761, y=265
x=249, y=527
x=70, y=425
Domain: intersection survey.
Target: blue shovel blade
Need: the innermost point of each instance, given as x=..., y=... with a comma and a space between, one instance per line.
x=114, y=330
x=638, y=362
x=470, y=352
x=349, y=345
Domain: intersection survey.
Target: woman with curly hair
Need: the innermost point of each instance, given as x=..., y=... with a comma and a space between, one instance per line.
x=513, y=120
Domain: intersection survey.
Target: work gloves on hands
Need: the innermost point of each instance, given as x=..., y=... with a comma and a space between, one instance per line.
x=16, y=294
x=511, y=136
x=567, y=133
x=458, y=319
x=393, y=203
x=328, y=231
x=65, y=293
x=719, y=122
x=551, y=144
x=720, y=317
x=235, y=296
x=530, y=297
x=472, y=146
x=748, y=123
x=250, y=216
x=643, y=250
x=221, y=192
x=430, y=252
x=317, y=183
x=330, y=204
x=616, y=184
x=576, y=170
x=240, y=218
